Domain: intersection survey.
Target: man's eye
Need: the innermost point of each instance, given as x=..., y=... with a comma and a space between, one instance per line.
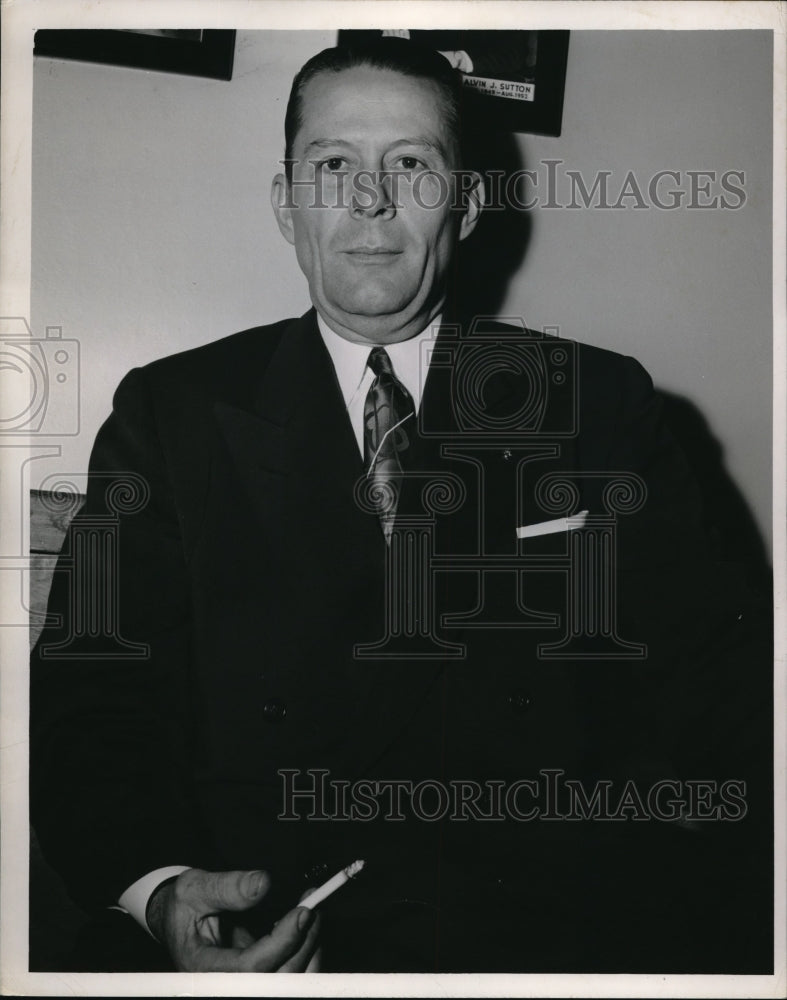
x=333, y=163
x=410, y=162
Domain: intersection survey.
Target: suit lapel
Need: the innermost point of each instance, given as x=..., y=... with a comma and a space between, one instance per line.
x=296, y=452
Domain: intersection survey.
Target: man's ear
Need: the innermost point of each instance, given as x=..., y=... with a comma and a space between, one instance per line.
x=282, y=207
x=474, y=199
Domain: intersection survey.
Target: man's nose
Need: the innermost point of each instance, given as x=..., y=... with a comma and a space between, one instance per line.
x=372, y=195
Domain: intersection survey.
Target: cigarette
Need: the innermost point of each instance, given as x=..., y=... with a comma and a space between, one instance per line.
x=338, y=880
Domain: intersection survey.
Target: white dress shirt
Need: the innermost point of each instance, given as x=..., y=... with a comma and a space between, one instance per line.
x=410, y=361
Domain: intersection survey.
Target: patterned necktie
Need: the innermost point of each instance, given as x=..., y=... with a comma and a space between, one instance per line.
x=388, y=422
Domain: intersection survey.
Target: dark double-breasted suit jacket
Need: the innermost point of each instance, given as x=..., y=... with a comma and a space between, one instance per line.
x=248, y=585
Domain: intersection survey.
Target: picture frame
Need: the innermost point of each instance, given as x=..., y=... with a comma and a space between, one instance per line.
x=192, y=52
x=514, y=79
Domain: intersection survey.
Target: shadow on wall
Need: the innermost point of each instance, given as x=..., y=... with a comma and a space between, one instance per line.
x=495, y=252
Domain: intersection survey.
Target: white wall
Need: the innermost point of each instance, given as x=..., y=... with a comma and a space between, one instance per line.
x=152, y=230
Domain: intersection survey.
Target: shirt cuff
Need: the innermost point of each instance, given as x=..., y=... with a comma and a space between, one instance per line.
x=134, y=900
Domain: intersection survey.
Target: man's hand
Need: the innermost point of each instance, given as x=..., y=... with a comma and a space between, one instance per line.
x=184, y=916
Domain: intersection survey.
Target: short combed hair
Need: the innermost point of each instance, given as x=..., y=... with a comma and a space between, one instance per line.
x=396, y=54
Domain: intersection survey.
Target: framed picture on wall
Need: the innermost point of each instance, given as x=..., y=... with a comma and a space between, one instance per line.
x=515, y=79
x=191, y=51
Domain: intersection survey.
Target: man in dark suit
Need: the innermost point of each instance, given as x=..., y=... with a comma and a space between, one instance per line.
x=361, y=561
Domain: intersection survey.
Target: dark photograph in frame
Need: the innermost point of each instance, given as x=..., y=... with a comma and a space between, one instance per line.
x=192, y=52
x=515, y=80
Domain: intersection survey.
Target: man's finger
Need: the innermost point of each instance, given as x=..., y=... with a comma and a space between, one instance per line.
x=301, y=960
x=283, y=943
x=287, y=949
x=209, y=929
x=214, y=892
x=315, y=962
x=242, y=937
x=209, y=959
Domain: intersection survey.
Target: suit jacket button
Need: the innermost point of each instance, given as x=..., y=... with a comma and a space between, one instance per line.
x=274, y=710
x=519, y=701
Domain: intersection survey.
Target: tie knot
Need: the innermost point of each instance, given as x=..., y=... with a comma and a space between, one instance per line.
x=379, y=362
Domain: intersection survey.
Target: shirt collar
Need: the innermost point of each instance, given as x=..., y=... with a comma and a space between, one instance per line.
x=349, y=360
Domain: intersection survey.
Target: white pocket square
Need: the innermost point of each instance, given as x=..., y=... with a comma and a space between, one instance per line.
x=551, y=527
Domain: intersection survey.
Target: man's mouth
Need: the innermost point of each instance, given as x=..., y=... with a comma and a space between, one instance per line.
x=371, y=254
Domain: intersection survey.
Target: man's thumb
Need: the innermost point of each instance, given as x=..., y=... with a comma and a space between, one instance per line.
x=232, y=890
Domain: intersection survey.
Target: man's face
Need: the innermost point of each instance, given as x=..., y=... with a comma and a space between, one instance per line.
x=370, y=208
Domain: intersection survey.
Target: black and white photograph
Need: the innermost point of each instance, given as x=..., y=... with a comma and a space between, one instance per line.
x=191, y=51
x=392, y=441
x=517, y=78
